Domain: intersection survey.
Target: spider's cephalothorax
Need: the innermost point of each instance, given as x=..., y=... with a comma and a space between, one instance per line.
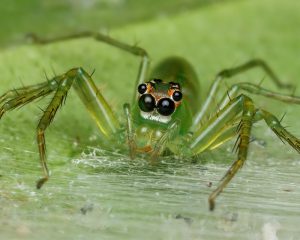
x=166, y=112
x=159, y=100
x=159, y=104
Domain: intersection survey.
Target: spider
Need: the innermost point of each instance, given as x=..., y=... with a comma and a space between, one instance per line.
x=166, y=115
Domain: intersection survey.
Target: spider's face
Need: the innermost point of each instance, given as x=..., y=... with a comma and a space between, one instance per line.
x=159, y=100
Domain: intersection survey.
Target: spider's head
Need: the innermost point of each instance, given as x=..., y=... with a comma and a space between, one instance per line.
x=158, y=100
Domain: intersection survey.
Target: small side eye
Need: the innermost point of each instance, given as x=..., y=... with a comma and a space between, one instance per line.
x=142, y=88
x=177, y=96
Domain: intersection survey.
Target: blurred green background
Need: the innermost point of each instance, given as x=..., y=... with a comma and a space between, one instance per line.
x=97, y=194
x=51, y=18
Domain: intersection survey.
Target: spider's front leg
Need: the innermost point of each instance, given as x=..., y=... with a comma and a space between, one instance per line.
x=60, y=85
x=90, y=96
x=159, y=145
x=214, y=129
x=130, y=131
x=274, y=124
x=134, y=50
x=223, y=126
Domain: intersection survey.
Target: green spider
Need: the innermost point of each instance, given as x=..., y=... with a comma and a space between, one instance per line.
x=166, y=113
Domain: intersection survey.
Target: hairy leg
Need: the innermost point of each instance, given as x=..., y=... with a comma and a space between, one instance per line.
x=144, y=65
x=60, y=85
x=215, y=129
x=223, y=126
x=235, y=89
x=230, y=131
x=228, y=73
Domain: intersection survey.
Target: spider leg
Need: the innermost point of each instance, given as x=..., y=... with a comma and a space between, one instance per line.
x=229, y=132
x=226, y=134
x=21, y=96
x=222, y=127
x=257, y=90
x=60, y=85
x=228, y=73
x=163, y=140
x=207, y=135
x=93, y=100
x=17, y=92
x=130, y=131
x=243, y=142
x=135, y=50
x=278, y=129
x=215, y=126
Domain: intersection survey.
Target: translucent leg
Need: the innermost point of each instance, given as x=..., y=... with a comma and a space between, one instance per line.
x=208, y=133
x=163, y=140
x=244, y=130
x=215, y=129
x=93, y=100
x=144, y=65
x=228, y=73
x=222, y=127
x=227, y=132
x=130, y=131
x=60, y=85
x=243, y=142
x=257, y=90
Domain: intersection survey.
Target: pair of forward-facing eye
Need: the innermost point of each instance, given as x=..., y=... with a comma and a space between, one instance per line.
x=165, y=106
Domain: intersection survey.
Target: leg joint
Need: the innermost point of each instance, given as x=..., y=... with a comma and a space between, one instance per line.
x=76, y=71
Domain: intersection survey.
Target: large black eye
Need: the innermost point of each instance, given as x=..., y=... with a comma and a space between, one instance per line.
x=147, y=103
x=142, y=88
x=165, y=106
x=177, y=96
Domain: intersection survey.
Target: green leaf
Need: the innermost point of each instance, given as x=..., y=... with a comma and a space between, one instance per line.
x=95, y=194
